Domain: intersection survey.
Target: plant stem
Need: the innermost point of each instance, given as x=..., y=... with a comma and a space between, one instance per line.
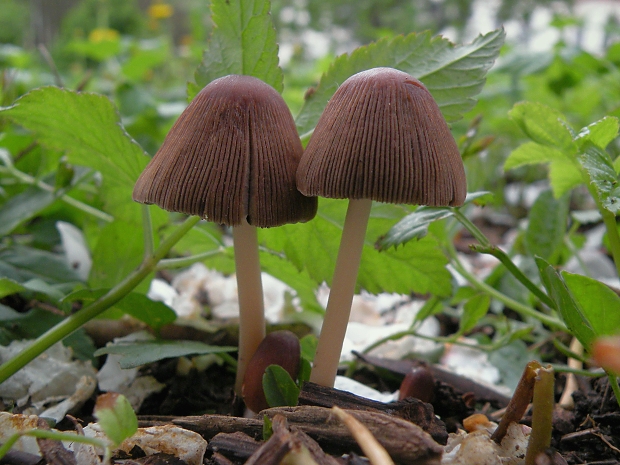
x=172, y=263
x=613, y=382
x=542, y=415
x=518, y=307
x=75, y=321
x=472, y=228
x=516, y=272
x=27, y=179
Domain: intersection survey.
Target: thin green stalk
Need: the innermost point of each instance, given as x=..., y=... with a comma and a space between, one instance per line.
x=613, y=382
x=75, y=321
x=487, y=247
x=58, y=436
x=472, y=228
x=518, y=307
x=27, y=179
x=516, y=272
x=182, y=262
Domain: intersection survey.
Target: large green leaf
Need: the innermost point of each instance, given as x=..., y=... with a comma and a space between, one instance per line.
x=22, y=264
x=570, y=310
x=599, y=304
x=453, y=74
x=547, y=225
x=418, y=266
x=603, y=177
x=243, y=42
x=601, y=132
x=87, y=128
x=23, y=207
x=544, y=125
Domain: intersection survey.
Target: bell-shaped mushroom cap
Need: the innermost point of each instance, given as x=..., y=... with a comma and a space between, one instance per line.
x=232, y=154
x=383, y=137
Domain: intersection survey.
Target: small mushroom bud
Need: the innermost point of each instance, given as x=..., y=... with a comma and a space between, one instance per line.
x=278, y=348
x=418, y=383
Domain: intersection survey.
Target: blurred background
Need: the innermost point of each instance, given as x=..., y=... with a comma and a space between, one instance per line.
x=142, y=53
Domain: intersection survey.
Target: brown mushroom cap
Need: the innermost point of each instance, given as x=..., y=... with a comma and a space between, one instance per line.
x=232, y=154
x=383, y=137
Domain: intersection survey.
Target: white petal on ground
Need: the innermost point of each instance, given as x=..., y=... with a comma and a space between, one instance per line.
x=76, y=250
x=167, y=439
x=350, y=385
x=52, y=374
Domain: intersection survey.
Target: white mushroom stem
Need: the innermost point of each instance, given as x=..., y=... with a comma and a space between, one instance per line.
x=250, y=292
x=341, y=293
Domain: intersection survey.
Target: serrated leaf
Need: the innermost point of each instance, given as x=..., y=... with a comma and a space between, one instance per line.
x=601, y=132
x=155, y=314
x=570, y=310
x=116, y=417
x=280, y=389
x=453, y=74
x=547, y=225
x=531, y=153
x=413, y=226
x=603, y=177
x=600, y=305
x=243, y=42
x=565, y=175
x=416, y=224
x=474, y=309
x=87, y=128
x=418, y=266
x=305, y=287
x=543, y=125
x=141, y=353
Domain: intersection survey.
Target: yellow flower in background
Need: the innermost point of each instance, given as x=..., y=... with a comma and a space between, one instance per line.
x=103, y=34
x=160, y=10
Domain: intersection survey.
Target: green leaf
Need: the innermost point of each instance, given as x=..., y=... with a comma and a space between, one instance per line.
x=116, y=417
x=280, y=389
x=140, y=353
x=564, y=169
x=23, y=207
x=304, y=286
x=87, y=128
x=600, y=305
x=308, y=345
x=603, y=177
x=243, y=41
x=413, y=226
x=532, y=153
x=543, y=125
x=22, y=263
x=454, y=74
x=601, y=132
x=418, y=266
x=547, y=224
x=119, y=250
x=155, y=314
x=474, y=309
x=570, y=310
x=8, y=287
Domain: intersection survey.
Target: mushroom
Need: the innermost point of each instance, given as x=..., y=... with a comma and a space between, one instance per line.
x=231, y=158
x=381, y=137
